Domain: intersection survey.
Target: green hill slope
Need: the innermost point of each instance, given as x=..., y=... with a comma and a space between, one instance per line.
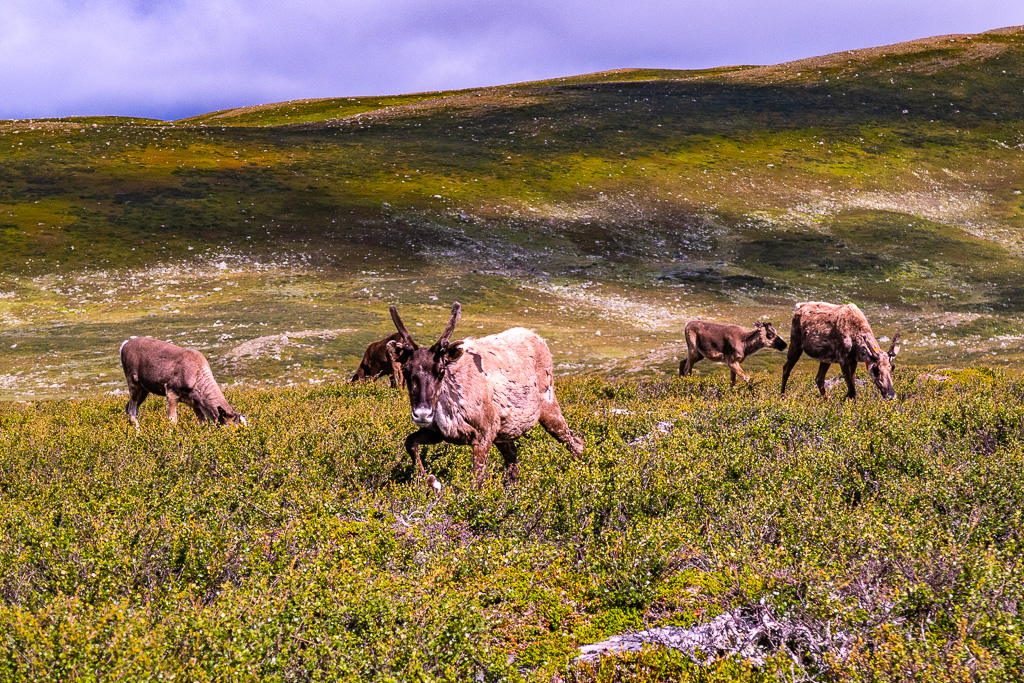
x=621, y=203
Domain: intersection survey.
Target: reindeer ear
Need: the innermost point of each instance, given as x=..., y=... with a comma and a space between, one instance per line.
x=894, y=347
x=758, y=325
x=397, y=351
x=453, y=351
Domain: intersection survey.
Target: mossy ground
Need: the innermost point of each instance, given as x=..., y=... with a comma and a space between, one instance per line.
x=301, y=548
x=623, y=202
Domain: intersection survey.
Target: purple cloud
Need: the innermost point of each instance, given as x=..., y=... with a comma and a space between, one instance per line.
x=173, y=58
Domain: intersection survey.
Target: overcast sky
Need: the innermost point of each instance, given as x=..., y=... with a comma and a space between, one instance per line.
x=174, y=58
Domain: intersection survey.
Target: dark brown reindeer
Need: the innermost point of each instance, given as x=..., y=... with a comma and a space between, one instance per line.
x=376, y=363
x=479, y=392
x=728, y=344
x=839, y=334
x=156, y=367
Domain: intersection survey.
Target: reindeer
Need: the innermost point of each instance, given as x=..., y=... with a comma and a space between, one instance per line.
x=839, y=334
x=728, y=344
x=479, y=392
x=156, y=367
x=376, y=363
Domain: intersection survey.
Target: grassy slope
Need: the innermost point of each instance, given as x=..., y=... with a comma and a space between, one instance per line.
x=298, y=549
x=621, y=202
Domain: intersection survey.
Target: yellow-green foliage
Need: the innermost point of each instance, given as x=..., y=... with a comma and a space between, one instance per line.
x=300, y=548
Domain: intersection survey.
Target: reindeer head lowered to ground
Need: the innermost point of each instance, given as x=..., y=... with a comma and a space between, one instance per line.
x=880, y=365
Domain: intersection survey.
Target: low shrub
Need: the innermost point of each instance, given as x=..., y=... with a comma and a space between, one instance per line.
x=302, y=548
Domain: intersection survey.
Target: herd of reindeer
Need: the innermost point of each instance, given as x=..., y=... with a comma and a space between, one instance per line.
x=492, y=390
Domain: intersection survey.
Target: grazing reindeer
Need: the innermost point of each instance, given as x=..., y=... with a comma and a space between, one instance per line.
x=156, y=367
x=479, y=392
x=376, y=363
x=728, y=344
x=839, y=334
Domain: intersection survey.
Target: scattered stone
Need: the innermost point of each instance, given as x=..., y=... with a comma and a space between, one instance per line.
x=749, y=634
x=664, y=427
x=937, y=376
x=836, y=381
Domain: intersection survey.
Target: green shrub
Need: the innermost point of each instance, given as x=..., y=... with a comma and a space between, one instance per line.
x=301, y=548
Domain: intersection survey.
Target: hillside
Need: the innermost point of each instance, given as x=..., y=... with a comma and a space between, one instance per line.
x=621, y=203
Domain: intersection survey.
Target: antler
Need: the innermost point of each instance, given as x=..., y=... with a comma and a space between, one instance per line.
x=406, y=337
x=450, y=327
x=894, y=346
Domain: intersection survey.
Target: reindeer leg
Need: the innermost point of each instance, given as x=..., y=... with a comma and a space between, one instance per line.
x=397, y=378
x=820, y=379
x=199, y=414
x=510, y=454
x=686, y=367
x=849, y=372
x=421, y=437
x=794, y=355
x=172, y=406
x=136, y=396
x=735, y=369
x=552, y=420
x=481, y=449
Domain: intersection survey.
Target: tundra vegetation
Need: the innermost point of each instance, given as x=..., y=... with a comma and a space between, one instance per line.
x=603, y=211
x=302, y=548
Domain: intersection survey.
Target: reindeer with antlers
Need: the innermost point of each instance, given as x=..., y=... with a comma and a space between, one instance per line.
x=479, y=392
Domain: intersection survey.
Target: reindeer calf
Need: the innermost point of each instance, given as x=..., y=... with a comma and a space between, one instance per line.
x=728, y=344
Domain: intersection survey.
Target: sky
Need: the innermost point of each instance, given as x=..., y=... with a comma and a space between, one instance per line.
x=169, y=59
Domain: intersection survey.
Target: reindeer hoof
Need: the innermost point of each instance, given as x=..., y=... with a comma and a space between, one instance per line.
x=434, y=483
